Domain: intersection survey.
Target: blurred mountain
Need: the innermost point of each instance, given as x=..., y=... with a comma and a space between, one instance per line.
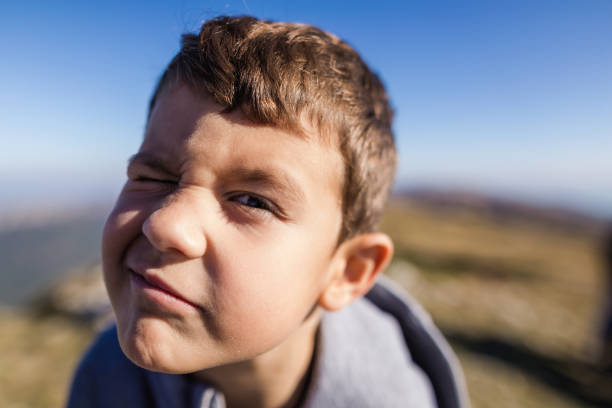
x=504, y=209
x=38, y=247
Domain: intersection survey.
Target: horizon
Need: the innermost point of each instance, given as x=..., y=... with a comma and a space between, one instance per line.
x=507, y=100
x=28, y=213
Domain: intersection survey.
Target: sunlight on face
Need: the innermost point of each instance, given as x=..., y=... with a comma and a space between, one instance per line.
x=221, y=240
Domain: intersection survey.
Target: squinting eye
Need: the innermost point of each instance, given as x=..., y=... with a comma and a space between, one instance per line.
x=252, y=201
x=151, y=180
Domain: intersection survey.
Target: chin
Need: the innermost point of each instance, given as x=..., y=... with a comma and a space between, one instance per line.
x=155, y=345
x=147, y=342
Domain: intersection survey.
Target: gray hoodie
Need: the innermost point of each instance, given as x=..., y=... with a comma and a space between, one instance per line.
x=381, y=351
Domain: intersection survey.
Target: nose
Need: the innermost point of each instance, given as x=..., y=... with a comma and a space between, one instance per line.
x=175, y=226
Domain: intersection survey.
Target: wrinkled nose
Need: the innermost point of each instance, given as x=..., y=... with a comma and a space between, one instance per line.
x=174, y=227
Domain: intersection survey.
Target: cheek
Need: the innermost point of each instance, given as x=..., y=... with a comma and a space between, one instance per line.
x=122, y=227
x=269, y=289
x=123, y=224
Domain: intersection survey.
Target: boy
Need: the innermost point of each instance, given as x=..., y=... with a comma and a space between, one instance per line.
x=250, y=211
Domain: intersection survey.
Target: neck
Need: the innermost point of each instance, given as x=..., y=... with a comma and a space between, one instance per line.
x=277, y=378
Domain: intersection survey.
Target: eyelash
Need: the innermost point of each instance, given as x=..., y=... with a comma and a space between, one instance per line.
x=261, y=205
x=143, y=179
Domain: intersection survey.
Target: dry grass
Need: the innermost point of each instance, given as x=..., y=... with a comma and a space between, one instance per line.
x=38, y=357
x=519, y=301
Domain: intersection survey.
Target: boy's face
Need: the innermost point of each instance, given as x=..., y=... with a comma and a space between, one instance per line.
x=238, y=221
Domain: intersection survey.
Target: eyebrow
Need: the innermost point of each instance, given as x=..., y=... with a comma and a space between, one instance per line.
x=149, y=160
x=276, y=180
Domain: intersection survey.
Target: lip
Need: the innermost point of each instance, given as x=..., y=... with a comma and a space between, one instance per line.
x=156, y=288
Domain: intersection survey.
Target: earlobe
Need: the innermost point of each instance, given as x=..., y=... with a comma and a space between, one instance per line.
x=359, y=262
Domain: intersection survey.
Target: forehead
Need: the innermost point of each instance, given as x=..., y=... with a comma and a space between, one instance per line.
x=186, y=131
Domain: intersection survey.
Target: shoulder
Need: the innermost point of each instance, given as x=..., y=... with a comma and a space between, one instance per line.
x=384, y=350
x=428, y=347
x=105, y=377
x=362, y=361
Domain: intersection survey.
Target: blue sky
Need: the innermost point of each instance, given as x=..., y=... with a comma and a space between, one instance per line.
x=508, y=97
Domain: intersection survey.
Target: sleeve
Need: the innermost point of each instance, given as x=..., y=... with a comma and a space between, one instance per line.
x=83, y=388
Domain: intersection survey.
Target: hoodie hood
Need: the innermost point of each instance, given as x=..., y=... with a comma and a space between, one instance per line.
x=384, y=351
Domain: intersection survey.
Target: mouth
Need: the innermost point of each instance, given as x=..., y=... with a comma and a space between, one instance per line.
x=155, y=288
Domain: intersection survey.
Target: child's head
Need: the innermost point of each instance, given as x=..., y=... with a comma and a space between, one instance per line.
x=290, y=76
x=253, y=199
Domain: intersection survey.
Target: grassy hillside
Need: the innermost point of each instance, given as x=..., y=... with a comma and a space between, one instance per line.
x=518, y=299
x=38, y=357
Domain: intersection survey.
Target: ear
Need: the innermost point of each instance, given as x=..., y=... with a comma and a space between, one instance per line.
x=357, y=263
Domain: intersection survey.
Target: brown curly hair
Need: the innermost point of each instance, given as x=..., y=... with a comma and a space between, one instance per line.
x=281, y=74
